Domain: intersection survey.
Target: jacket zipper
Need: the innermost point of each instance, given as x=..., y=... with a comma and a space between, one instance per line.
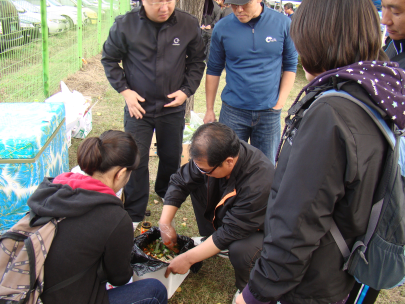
x=253, y=33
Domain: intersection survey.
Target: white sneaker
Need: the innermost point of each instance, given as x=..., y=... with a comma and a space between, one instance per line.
x=235, y=296
x=135, y=224
x=198, y=240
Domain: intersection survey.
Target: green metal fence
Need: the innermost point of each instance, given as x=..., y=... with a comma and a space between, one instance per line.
x=43, y=41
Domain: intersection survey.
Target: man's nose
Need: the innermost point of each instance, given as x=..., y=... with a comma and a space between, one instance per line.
x=239, y=8
x=386, y=17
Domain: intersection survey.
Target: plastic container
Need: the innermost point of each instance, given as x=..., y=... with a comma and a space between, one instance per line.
x=172, y=282
x=32, y=146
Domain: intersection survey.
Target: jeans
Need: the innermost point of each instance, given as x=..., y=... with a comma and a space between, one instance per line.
x=169, y=136
x=148, y=291
x=261, y=127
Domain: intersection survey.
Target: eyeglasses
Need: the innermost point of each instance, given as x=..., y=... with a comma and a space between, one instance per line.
x=205, y=172
x=235, y=6
x=161, y=3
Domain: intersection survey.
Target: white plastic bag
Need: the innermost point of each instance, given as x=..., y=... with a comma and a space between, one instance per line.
x=195, y=122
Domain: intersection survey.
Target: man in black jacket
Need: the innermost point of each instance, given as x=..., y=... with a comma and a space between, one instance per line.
x=162, y=56
x=207, y=25
x=229, y=182
x=393, y=16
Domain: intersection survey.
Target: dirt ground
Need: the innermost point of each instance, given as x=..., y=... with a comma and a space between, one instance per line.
x=90, y=80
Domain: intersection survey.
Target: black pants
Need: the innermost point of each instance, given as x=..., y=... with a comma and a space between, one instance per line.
x=169, y=136
x=207, y=41
x=242, y=253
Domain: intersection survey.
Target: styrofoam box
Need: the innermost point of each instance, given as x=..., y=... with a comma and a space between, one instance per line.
x=172, y=282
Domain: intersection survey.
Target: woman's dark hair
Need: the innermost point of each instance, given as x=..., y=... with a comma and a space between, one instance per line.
x=111, y=149
x=215, y=142
x=329, y=34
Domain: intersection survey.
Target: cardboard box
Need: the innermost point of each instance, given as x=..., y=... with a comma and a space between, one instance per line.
x=185, y=156
x=153, y=146
x=171, y=283
x=32, y=146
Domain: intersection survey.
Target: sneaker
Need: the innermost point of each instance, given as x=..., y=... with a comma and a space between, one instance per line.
x=199, y=239
x=235, y=296
x=224, y=254
x=135, y=224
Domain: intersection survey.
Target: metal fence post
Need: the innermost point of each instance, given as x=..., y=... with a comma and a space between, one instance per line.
x=79, y=32
x=99, y=26
x=111, y=12
x=45, y=50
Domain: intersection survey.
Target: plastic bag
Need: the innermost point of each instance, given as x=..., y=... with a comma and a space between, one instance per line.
x=195, y=122
x=142, y=263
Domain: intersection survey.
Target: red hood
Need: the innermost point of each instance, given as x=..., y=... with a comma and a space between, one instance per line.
x=77, y=180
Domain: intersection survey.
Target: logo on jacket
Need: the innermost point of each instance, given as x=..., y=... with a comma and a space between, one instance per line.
x=176, y=41
x=270, y=39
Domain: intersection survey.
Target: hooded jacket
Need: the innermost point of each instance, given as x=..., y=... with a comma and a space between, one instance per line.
x=238, y=211
x=157, y=61
x=328, y=169
x=96, y=229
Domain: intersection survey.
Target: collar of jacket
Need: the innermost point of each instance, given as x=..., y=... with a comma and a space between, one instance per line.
x=237, y=167
x=171, y=21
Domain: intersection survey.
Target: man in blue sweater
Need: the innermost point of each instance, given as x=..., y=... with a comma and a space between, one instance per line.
x=255, y=48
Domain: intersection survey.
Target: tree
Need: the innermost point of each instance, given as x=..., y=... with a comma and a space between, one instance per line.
x=194, y=7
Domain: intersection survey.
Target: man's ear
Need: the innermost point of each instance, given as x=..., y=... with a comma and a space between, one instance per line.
x=230, y=161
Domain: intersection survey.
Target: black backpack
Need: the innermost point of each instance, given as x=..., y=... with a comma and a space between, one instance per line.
x=377, y=258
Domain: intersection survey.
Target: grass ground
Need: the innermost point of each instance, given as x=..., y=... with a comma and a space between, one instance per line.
x=214, y=283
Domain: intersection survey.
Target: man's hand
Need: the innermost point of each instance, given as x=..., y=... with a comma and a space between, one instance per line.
x=279, y=105
x=209, y=116
x=132, y=99
x=179, y=98
x=240, y=299
x=169, y=236
x=208, y=27
x=179, y=264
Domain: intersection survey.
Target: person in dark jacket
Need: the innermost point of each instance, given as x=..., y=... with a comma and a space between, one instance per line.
x=393, y=16
x=162, y=56
x=96, y=232
x=229, y=182
x=329, y=168
x=225, y=9
x=207, y=25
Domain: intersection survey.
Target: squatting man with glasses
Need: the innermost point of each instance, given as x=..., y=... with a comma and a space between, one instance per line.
x=229, y=183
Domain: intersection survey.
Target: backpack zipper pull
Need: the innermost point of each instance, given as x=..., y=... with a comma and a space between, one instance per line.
x=363, y=256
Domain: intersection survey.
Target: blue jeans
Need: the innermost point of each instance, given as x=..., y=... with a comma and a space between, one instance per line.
x=148, y=291
x=261, y=127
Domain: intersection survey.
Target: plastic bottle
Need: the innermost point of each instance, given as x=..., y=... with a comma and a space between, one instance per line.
x=146, y=225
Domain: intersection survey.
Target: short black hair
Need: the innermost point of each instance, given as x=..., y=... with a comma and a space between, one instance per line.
x=214, y=142
x=288, y=5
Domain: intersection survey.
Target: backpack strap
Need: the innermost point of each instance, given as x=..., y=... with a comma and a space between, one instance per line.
x=400, y=58
x=377, y=207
